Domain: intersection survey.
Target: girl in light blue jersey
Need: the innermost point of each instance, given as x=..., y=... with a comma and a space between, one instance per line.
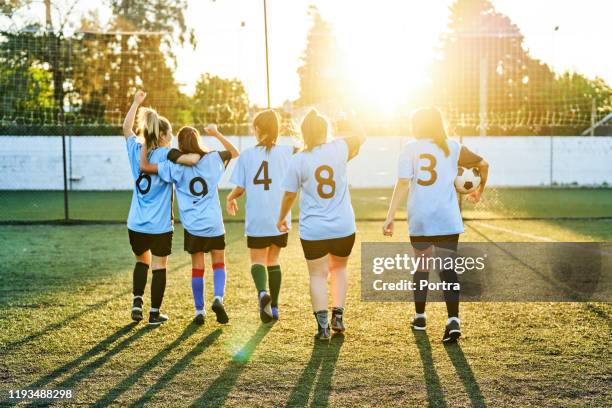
x=150, y=223
x=200, y=210
x=259, y=173
x=327, y=221
x=428, y=167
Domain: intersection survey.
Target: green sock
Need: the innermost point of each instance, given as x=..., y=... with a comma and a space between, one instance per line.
x=274, y=281
x=258, y=272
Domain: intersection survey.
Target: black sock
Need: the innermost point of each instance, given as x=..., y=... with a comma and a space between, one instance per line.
x=451, y=296
x=139, y=278
x=337, y=311
x=158, y=287
x=420, y=295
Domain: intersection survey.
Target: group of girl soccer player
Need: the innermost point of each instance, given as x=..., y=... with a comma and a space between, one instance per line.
x=271, y=176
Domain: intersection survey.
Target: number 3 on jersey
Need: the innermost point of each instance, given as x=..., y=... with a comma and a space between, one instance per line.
x=325, y=180
x=430, y=168
x=266, y=181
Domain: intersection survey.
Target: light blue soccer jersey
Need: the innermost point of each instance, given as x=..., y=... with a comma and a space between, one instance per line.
x=151, y=208
x=196, y=190
x=433, y=208
x=325, y=203
x=261, y=172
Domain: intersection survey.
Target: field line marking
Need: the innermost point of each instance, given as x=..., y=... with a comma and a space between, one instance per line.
x=511, y=231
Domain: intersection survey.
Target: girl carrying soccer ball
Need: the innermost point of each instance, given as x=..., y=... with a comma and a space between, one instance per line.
x=150, y=223
x=258, y=173
x=327, y=220
x=428, y=167
x=200, y=210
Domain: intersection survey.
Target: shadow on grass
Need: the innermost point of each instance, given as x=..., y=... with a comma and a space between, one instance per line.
x=465, y=373
x=58, y=325
x=90, y=367
x=218, y=391
x=435, y=394
x=177, y=368
x=112, y=394
x=322, y=359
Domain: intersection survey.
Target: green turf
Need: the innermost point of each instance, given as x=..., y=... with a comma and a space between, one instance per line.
x=368, y=203
x=64, y=304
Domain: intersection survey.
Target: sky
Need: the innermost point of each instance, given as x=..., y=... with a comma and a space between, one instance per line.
x=393, y=40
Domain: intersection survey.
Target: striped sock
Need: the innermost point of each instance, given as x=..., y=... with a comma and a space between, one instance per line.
x=219, y=279
x=197, y=287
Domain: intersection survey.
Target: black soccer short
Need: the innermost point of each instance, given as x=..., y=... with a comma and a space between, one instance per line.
x=159, y=244
x=448, y=242
x=194, y=244
x=264, y=242
x=319, y=248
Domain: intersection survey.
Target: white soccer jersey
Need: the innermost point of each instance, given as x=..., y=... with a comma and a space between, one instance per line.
x=325, y=203
x=260, y=172
x=433, y=208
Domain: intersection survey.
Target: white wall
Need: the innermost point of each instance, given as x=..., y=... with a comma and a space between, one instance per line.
x=100, y=162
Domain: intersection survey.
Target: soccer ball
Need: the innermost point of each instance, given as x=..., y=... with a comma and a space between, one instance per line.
x=467, y=180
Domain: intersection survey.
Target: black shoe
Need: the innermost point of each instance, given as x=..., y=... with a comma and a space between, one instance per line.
x=137, y=309
x=156, y=318
x=265, y=309
x=199, y=319
x=419, y=323
x=337, y=322
x=219, y=310
x=452, y=332
x=323, y=333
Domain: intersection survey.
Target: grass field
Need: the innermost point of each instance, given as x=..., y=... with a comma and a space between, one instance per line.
x=64, y=321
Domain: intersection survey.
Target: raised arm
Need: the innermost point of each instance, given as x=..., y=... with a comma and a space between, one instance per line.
x=286, y=204
x=483, y=168
x=227, y=145
x=128, y=122
x=399, y=194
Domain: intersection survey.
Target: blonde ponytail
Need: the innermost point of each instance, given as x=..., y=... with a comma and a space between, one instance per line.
x=150, y=125
x=314, y=130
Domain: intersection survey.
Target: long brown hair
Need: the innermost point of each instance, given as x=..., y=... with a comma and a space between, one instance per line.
x=314, y=130
x=267, y=123
x=189, y=141
x=427, y=123
x=152, y=126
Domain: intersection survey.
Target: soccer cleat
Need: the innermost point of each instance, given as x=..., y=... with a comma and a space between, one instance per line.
x=265, y=310
x=323, y=333
x=219, y=310
x=156, y=318
x=137, y=309
x=199, y=318
x=452, y=331
x=275, y=312
x=419, y=323
x=337, y=322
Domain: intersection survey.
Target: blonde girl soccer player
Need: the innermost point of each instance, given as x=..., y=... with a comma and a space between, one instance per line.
x=428, y=167
x=259, y=173
x=150, y=223
x=327, y=221
x=198, y=200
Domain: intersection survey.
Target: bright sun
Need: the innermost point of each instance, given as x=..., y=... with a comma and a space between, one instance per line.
x=386, y=51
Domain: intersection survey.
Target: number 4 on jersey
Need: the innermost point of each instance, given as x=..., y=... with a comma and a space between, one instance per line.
x=266, y=181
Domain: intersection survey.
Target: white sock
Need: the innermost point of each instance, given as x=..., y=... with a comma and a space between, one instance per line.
x=218, y=297
x=420, y=315
x=153, y=310
x=450, y=319
x=200, y=312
